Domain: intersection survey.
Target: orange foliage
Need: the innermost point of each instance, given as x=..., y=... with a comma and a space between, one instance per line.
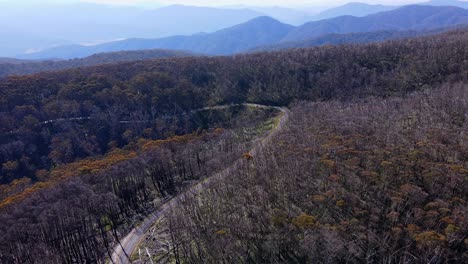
x=319, y=198
x=92, y=166
x=429, y=239
x=305, y=221
x=146, y=145
x=221, y=232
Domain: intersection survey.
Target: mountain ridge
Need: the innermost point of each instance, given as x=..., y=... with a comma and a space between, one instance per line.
x=412, y=17
x=356, y=9
x=354, y=38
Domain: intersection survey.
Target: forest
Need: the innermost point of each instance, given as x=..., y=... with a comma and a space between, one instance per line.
x=148, y=90
x=75, y=213
x=372, y=167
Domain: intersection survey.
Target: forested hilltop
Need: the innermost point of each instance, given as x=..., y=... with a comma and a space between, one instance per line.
x=70, y=142
x=10, y=67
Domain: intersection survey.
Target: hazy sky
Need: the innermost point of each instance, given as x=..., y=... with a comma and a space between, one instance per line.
x=284, y=3
x=249, y=2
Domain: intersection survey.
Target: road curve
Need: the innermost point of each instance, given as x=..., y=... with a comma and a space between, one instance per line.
x=128, y=244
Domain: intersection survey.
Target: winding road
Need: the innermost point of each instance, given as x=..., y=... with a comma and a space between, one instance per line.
x=129, y=243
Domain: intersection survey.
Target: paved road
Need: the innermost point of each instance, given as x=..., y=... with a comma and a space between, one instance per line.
x=130, y=242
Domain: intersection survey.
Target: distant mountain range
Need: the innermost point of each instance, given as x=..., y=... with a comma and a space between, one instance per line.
x=353, y=9
x=257, y=32
x=35, y=27
x=20, y=67
x=91, y=24
x=413, y=17
x=362, y=9
x=267, y=31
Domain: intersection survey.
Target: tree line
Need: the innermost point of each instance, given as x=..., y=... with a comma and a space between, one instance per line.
x=9, y=67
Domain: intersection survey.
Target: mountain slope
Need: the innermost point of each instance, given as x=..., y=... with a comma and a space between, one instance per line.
x=413, y=17
x=256, y=32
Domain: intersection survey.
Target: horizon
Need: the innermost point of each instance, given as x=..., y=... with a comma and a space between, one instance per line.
x=30, y=26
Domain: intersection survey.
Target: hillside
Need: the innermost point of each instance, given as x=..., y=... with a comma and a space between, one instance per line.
x=86, y=153
x=21, y=67
x=373, y=180
x=414, y=17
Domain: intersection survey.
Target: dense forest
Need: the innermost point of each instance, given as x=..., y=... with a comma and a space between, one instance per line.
x=10, y=67
x=86, y=151
x=373, y=181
